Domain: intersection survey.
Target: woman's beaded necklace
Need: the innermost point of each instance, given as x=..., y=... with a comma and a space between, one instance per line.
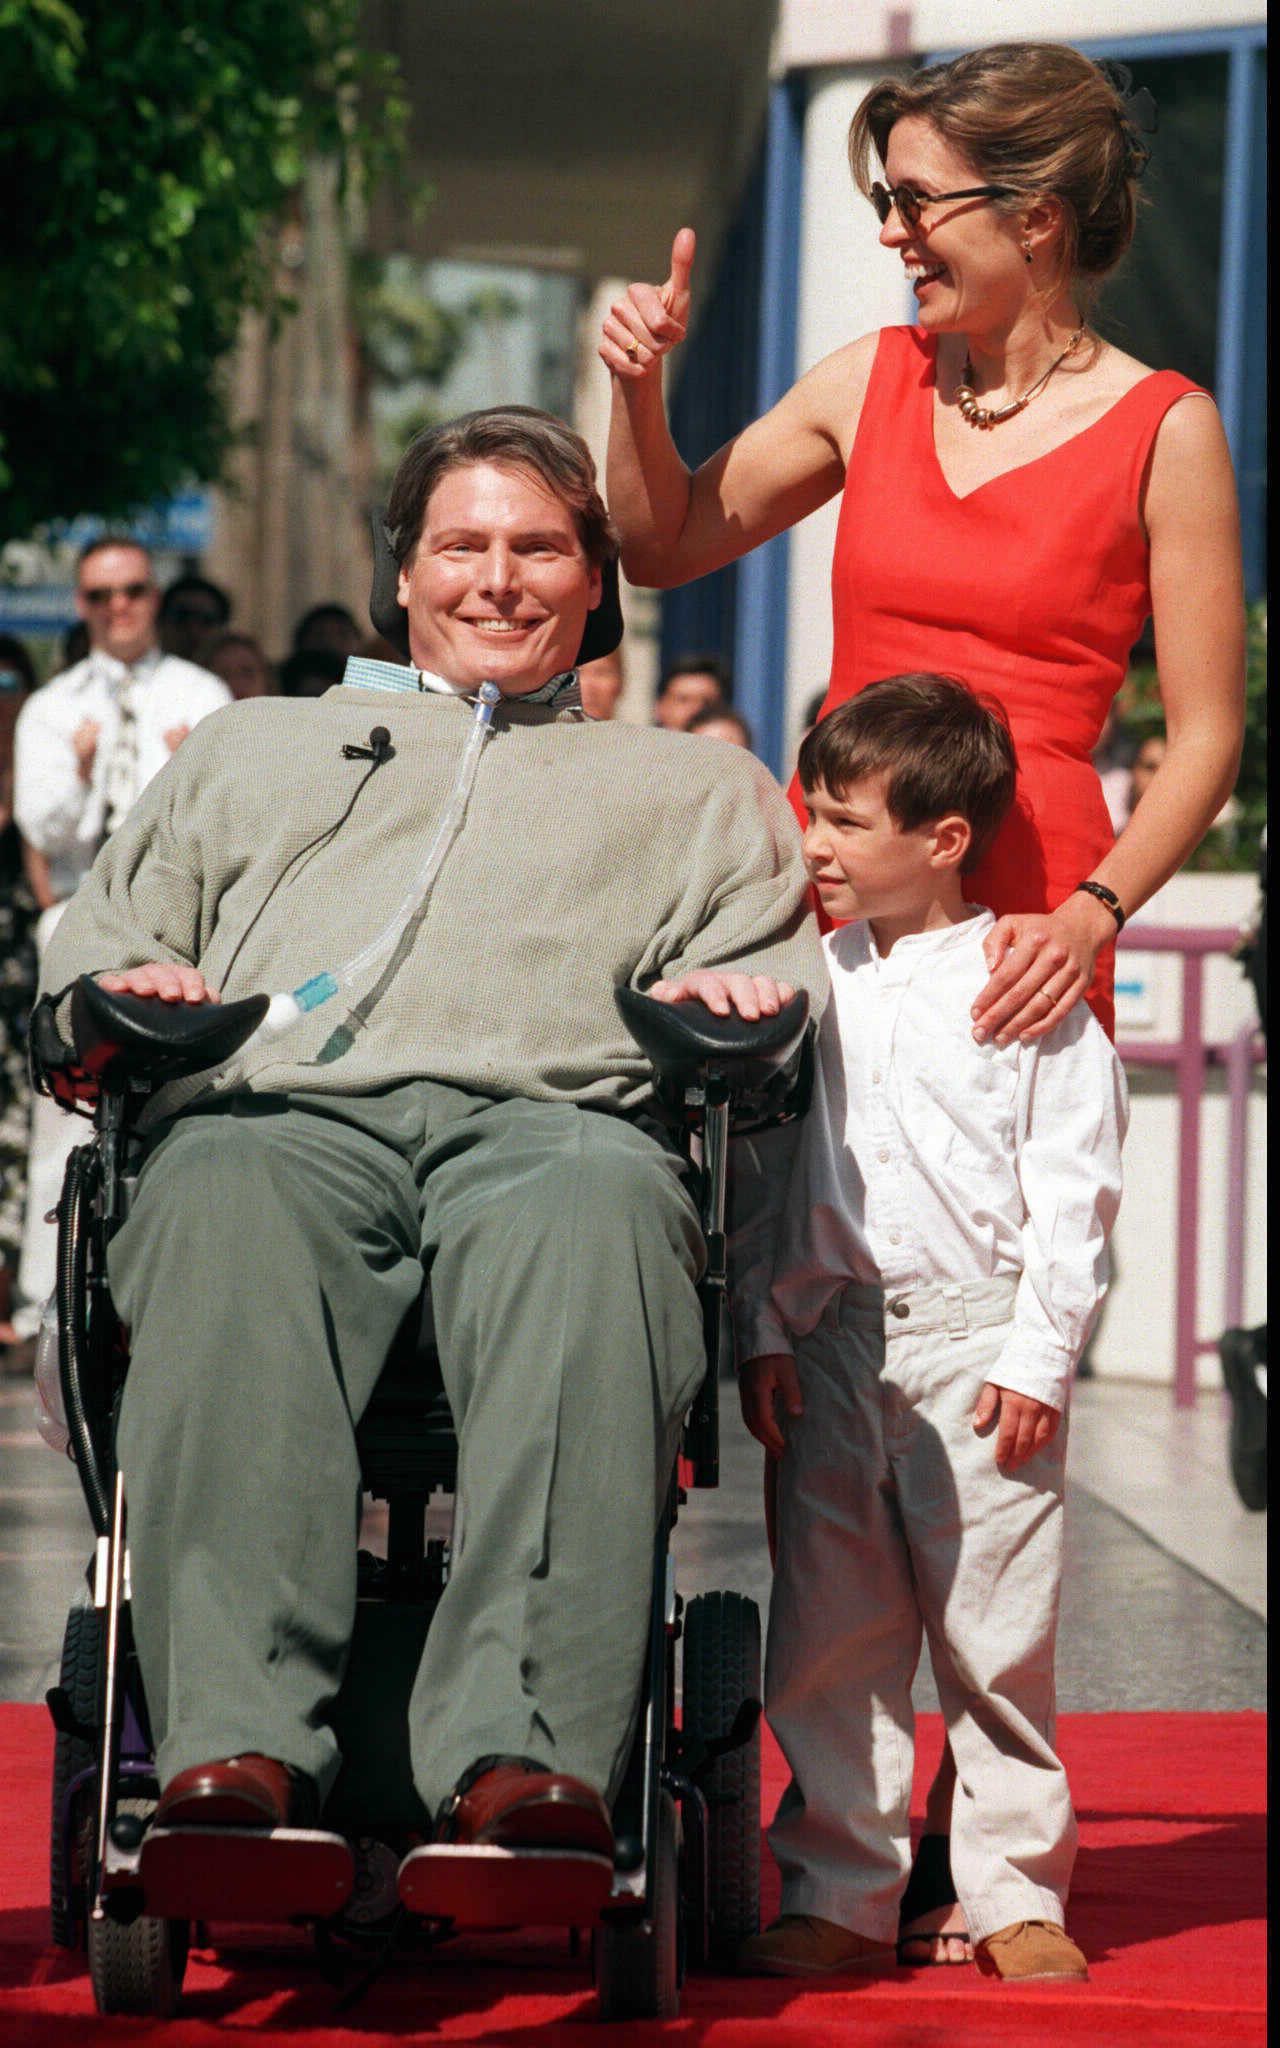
x=981, y=415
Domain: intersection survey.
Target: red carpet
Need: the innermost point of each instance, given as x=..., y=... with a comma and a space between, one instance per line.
x=1168, y=1904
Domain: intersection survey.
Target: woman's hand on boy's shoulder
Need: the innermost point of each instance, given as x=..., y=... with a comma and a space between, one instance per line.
x=1025, y=1425
x=764, y=1384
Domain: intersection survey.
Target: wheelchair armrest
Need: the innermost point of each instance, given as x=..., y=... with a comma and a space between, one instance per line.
x=135, y=1041
x=683, y=1040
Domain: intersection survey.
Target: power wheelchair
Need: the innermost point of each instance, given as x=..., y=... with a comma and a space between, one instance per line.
x=684, y=1886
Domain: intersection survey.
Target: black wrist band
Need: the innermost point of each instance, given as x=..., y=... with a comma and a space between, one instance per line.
x=1104, y=895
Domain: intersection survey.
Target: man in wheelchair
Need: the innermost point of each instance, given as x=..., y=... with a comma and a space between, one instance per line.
x=443, y=1081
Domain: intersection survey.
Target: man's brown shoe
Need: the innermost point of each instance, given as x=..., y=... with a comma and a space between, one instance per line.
x=512, y=1803
x=1029, y=1950
x=800, y=1945
x=239, y=1792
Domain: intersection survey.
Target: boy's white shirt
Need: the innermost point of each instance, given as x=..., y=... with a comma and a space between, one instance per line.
x=927, y=1158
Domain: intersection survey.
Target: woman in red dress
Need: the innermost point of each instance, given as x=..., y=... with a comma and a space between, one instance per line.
x=1018, y=496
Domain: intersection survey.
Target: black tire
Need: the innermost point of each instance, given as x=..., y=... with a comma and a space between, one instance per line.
x=636, y=1964
x=80, y=1678
x=138, y=1968
x=721, y=1670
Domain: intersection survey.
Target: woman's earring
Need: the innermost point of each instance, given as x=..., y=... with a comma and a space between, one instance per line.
x=1026, y=252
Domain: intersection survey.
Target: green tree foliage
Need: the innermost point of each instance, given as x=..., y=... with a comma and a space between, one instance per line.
x=145, y=150
x=409, y=342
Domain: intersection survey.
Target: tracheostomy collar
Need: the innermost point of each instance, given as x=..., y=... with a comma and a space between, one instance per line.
x=562, y=693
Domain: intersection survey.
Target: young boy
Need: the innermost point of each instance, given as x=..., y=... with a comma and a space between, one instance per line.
x=940, y=1261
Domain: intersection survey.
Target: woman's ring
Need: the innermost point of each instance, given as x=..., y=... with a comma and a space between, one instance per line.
x=633, y=351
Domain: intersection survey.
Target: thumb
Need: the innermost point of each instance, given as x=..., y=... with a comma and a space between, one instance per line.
x=1002, y=935
x=675, y=292
x=988, y=1403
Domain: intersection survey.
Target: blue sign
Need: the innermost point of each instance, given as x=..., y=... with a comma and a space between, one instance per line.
x=36, y=608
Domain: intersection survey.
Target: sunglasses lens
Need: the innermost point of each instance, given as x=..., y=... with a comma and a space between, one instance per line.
x=104, y=594
x=885, y=197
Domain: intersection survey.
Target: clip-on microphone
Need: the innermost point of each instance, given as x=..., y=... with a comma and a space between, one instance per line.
x=378, y=750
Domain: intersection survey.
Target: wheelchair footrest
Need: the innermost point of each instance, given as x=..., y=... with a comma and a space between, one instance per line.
x=481, y=1886
x=245, y=1873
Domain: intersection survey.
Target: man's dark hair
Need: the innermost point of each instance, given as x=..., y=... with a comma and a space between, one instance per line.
x=173, y=603
x=938, y=744
x=719, y=714
x=321, y=615
x=512, y=437
x=310, y=671
x=111, y=540
x=698, y=664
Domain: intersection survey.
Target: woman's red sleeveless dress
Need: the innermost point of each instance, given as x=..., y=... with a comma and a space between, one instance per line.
x=1032, y=588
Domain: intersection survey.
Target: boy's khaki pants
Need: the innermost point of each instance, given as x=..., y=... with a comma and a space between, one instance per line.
x=894, y=1517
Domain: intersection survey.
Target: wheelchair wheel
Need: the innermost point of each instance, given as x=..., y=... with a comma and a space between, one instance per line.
x=637, y=1964
x=138, y=1967
x=79, y=1678
x=721, y=1670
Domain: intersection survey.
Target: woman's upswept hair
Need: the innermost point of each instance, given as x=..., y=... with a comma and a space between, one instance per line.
x=1039, y=117
x=513, y=437
x=939, y=746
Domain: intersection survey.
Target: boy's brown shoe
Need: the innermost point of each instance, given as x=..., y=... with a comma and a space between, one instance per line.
x=1028, y=1950
x=800, y=1945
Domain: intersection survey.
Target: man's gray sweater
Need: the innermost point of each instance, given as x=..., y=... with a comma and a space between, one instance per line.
x=591, y=855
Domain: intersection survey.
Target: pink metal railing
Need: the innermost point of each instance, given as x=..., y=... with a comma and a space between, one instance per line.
x=1189, y=1055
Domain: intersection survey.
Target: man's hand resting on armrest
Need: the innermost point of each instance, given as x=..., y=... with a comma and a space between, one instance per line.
x=163, y=978
x=751, y=995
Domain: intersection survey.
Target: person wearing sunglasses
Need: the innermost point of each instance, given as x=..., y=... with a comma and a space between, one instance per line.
x=1018, y=494
x=85, y=747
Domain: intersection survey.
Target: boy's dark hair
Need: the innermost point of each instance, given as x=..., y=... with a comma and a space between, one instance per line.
x=941, y=747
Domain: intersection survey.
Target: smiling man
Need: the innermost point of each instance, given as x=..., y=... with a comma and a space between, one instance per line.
x=468, y=1100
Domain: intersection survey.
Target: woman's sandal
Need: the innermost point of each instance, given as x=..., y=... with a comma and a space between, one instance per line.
x=929, y=1890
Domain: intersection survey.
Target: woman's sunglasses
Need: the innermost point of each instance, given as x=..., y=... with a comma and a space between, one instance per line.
x=910, y=204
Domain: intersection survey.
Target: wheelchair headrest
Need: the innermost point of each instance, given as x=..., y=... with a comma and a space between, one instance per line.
x=602, y=633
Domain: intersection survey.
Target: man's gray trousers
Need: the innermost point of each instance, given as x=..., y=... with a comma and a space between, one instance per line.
x=272, y=1250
